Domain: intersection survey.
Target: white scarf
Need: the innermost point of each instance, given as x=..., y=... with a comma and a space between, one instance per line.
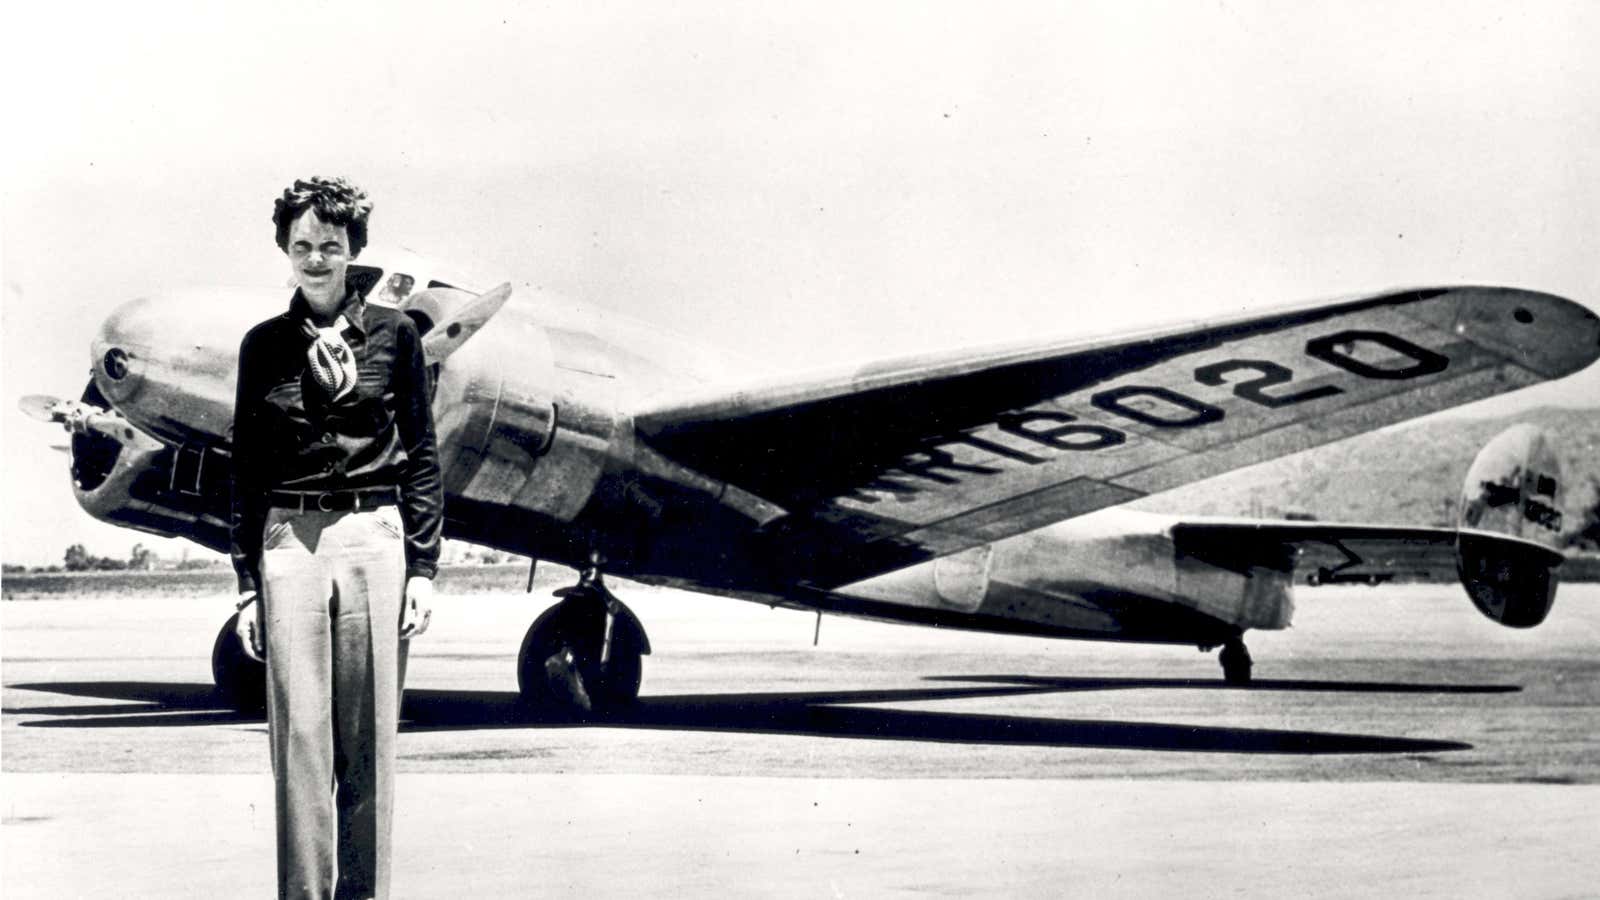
x=332, y=363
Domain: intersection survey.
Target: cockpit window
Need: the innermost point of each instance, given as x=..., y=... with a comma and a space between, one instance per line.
x=396, y=288
x=362, y=278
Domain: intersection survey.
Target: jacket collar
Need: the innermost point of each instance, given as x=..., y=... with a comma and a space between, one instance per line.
x=353, y=307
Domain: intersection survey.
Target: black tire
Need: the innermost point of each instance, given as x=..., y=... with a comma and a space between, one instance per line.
x=241, y=681
x=578, y=627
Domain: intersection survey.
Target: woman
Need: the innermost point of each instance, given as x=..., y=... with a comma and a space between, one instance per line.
x=336, y=526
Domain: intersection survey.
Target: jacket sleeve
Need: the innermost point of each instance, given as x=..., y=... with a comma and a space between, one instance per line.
x=249, y=507
x=421, y=488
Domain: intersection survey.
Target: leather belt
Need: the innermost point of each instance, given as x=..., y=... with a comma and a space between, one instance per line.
x=349, y=500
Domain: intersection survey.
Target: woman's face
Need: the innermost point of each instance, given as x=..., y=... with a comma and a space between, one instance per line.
x=318, y=254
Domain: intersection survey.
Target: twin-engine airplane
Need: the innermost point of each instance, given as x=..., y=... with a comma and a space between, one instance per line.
x=974, y=490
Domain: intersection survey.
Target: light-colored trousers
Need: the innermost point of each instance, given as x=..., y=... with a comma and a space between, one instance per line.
x=332, y=585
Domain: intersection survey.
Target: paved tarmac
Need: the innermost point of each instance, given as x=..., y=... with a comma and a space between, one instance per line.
x=1394, y=742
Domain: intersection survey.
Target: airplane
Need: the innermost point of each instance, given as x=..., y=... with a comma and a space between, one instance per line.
x=975, y=489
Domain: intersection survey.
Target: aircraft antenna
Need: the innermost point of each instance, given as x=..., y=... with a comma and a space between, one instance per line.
x=816, y=635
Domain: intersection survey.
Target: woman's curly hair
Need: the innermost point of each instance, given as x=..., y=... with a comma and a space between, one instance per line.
x=337, y=202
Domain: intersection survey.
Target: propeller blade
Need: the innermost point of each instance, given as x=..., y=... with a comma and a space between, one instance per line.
x=446, y=337
x=41, y=407
x=78, y=417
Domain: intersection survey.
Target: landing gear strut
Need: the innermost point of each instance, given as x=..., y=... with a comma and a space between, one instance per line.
x=1235, y=661
x=582, y=656
x=241, y=681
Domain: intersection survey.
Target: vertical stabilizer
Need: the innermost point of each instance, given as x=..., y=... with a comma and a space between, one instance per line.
x=1513, y=488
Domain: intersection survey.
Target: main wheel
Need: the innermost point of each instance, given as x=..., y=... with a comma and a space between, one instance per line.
x=558, y=667
x=241, y=681
x=1235, y=659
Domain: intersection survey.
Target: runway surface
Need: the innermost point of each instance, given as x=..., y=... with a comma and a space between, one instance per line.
x=756, y=763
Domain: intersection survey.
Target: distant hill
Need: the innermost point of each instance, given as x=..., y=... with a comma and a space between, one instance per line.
x=1405, y=475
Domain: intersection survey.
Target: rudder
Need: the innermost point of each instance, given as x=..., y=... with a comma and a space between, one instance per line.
x=1513, y=488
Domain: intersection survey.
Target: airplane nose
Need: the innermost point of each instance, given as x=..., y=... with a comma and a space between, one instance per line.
x=120, y=350
x=167, y=363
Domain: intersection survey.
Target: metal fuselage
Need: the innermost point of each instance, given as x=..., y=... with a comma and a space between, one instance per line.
x=534, y=417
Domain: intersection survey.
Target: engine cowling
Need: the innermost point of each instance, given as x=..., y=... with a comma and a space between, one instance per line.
x=1513, y=488
x=124, y=476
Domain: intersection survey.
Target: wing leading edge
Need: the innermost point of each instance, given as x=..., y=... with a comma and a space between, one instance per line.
x=885, y=466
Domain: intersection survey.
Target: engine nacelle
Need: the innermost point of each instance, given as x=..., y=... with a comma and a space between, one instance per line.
x=124, y=476
x=1513, y=488
x=525, y=418
x=1136, y=555
x=1116, y=574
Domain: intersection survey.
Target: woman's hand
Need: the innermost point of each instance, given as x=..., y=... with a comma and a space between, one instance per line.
x=247, y=628
x=417, y=608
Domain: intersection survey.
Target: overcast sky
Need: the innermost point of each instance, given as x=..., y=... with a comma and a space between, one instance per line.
x=808, y=183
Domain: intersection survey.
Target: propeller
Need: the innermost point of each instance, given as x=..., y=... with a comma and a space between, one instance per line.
x=42, y=407
x=79, y=417
x=446, y=337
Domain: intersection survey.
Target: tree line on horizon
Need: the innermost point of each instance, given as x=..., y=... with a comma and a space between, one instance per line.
x=140, y=558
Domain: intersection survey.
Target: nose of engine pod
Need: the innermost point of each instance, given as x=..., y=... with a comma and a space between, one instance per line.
x=168, y=363
x=121, y=348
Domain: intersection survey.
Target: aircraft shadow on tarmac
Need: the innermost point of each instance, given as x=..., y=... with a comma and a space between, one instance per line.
x=817, y=713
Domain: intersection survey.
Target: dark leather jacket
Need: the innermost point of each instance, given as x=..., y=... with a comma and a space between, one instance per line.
x=288, y=435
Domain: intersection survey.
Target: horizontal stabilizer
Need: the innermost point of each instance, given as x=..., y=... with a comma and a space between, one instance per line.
x=1341, y=553
x=1504, y=552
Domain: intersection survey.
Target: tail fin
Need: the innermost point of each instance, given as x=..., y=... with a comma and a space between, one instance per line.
x=1513, y=488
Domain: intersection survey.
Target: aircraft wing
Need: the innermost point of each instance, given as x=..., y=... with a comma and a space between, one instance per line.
x=1334, y=553
x=880, y=467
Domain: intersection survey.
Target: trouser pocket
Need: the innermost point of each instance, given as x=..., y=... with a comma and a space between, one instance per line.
x=277, y=526
x=387, y=519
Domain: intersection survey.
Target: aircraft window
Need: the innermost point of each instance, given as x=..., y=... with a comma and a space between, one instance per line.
x=434, y=284
x=362, y=278
x=396, y=288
